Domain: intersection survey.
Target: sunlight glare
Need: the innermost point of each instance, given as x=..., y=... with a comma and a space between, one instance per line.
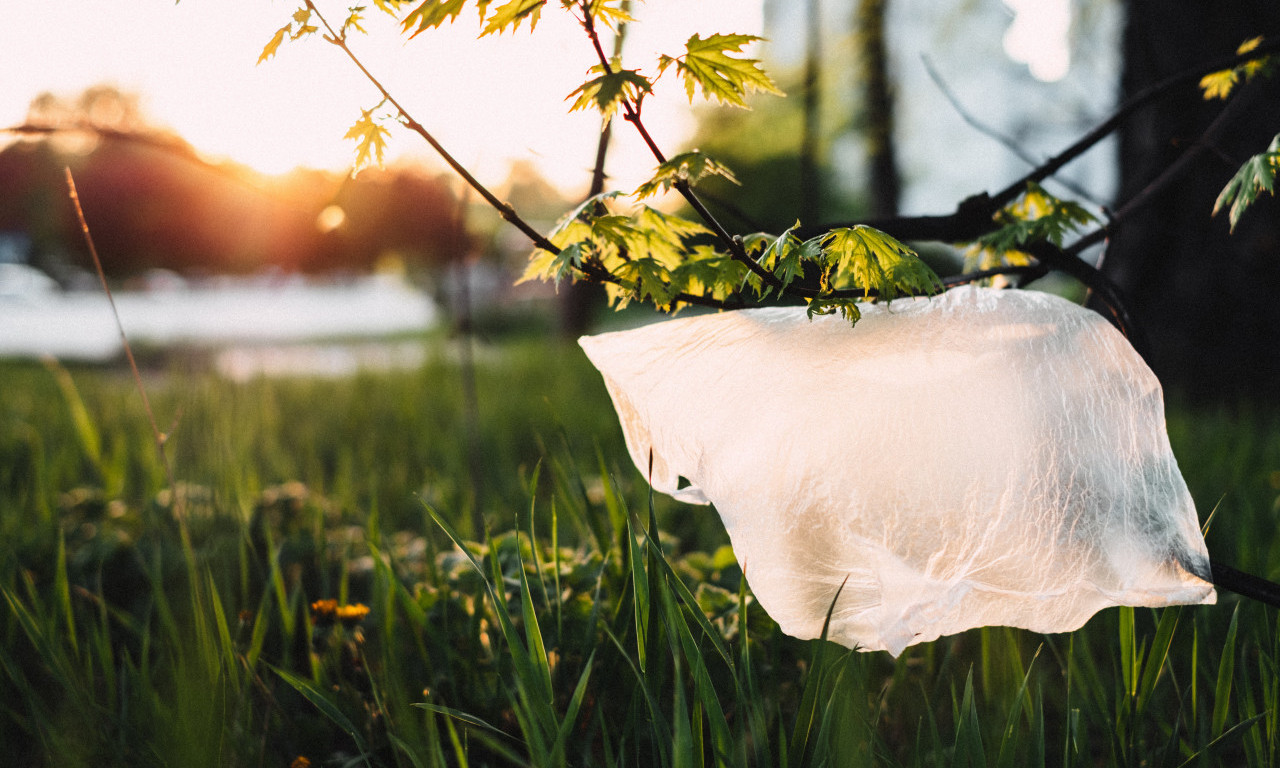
x=1039, y=37
x=488, y=100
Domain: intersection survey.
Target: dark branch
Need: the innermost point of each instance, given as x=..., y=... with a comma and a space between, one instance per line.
x=1131, y=105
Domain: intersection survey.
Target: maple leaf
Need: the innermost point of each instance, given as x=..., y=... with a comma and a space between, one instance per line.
x=1036, y=216
x=848, y=308
x=371, y=140
x=865, y=258
x=1257, y=175
x=709, y=66
x=687, y=166
x=649, y=279
x=430, y=14
x=611, y=12
x=785, y=257
x=509, y=15
x=610, y=88
x=354, y=17
x=708, y=271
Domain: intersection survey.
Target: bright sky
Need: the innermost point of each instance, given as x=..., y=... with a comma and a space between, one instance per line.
x=488, y=101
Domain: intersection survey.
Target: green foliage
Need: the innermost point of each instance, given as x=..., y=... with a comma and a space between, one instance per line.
x=119, y=647
x=1257, y=175
x=686, y=167
x=612, y=86
x=1036, y=216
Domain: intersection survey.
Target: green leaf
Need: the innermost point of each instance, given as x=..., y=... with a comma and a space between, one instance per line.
x=371, y=140
x=786, y=255
x=312, y=693
x=610, y=88
x=708, y=271
x=509, y=15
x=1257, y=175
x=848, y=308
x=1036, y=216
x=688, y=167
x=865, y=258
x=662, y=235
x=709, y=66
x=649, y=279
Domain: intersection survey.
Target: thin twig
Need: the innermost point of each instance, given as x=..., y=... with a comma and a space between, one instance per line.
x=990, y=131
x=1132, y=104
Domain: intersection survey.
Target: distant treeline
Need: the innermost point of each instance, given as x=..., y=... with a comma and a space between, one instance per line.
x=153, y=202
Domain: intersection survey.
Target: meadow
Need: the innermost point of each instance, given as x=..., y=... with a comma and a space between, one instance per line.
x=383, y=571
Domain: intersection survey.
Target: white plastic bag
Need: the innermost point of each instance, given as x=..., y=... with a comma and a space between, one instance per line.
x=979, y=458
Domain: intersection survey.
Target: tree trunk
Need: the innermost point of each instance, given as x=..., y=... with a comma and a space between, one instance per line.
x=1206, y=299
x=810, y=183
x=885, y=186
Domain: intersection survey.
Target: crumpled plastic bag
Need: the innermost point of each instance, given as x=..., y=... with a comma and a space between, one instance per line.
x=982, y=457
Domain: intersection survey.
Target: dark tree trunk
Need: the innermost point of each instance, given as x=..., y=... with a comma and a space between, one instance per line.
x=1206, y=299
x=885, y=186
x=810, y=184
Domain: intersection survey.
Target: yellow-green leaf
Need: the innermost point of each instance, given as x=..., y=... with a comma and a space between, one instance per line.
x=510, y=14
x=687, y=166
x=609, y=88
x=710, y=66
x=430, y=14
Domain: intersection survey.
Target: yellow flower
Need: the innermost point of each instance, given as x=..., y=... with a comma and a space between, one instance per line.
x=327, y=611
x=300, y=762
x=351, y=614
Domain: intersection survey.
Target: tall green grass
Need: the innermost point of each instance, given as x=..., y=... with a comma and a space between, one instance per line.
x=589, y=623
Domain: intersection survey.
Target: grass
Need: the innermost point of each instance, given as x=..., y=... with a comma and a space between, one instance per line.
x=219, y=623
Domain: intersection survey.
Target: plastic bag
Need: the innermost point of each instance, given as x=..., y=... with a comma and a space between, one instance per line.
x=979, y=458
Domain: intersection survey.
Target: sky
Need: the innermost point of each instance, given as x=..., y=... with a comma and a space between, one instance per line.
x=487, y=100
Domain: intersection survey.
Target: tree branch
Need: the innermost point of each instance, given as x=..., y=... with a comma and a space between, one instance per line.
x=973, y=217
x=631, y=113
x=1132, y=104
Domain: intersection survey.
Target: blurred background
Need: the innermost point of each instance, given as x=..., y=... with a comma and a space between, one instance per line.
x=221, y=196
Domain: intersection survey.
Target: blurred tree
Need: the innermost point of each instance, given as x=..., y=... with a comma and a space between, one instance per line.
x=877, y=91
x=1205, y=297
x=153, y=202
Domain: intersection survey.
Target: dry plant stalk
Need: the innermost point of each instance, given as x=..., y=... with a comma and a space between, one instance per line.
x=160, y=437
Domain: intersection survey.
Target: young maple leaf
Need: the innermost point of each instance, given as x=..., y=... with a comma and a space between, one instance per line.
x=371, y=140
x=510, y=14
x=687, y=166
x=1257, y=175
x=708, y=65
x=428, y=15
x=609, y=89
